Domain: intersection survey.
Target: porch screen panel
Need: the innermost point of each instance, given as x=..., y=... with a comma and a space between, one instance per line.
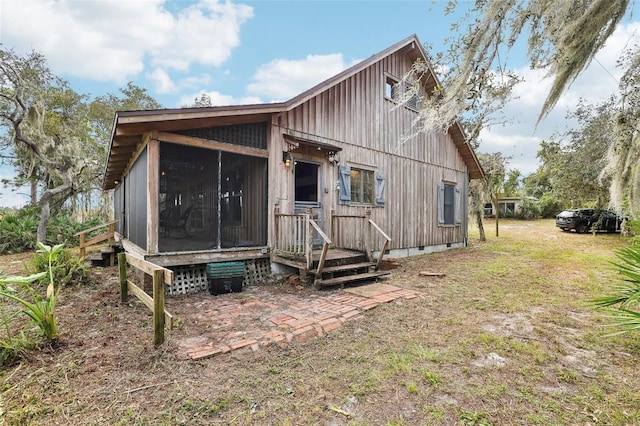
x=137, y=188
x=252, y=134
x=243, y=201
x=187, y=198
x=118, y=207
x=222, y=195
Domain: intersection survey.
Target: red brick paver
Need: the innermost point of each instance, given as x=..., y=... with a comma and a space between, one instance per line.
x=256, y=318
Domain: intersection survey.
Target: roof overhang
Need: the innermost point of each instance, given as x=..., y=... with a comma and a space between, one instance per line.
x=130, y=127
x=296, y=142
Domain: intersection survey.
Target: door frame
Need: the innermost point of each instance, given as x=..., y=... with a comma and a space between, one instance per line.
x=301, y=207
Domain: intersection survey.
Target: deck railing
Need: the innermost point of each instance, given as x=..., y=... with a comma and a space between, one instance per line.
x=106, y=236
x=294, y=238
x=155, y=302
x=359, y=232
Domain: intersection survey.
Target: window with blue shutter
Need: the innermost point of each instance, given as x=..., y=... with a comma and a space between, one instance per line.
x=449, y=204
x=381, y=189
x=344, y=184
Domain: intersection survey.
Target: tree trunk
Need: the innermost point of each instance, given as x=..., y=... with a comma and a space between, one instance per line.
x=45, y=203
x=45, y=214
x=483, y=237
x=34, y=193
x=495, y=203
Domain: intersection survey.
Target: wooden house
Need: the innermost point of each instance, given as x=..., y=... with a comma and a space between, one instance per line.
x=298, y=183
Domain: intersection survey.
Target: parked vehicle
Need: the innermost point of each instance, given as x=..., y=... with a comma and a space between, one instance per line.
x=586, y=220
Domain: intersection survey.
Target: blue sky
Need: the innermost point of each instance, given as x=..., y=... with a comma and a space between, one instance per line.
x=264, y=51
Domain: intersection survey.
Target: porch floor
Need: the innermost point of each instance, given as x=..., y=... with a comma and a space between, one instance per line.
x=260, y=316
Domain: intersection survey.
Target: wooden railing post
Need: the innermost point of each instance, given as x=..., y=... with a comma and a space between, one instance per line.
x=308, y=239
x=158, y=307
x=112, y=241
x=366, y=223
x=334, y=233
x=276, y=219
x=124, y=287
x=82, y=246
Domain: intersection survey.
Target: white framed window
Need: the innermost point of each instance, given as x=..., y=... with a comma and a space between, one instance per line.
x=361, y=186
x=449, y=204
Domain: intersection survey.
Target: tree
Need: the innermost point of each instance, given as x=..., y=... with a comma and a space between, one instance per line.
x=569, y=172
x=100, y=116
x=563, y=36
x=495, y=171
x=623, y=155
x=44, y=120
x=477, y=197
x=511, y=186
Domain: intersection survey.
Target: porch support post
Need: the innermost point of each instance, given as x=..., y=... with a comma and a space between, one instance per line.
x=153, y=185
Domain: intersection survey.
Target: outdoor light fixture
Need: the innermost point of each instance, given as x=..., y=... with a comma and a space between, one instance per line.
x=331, y=157
x=286, y=158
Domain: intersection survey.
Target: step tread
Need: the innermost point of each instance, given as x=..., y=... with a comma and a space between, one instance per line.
x=96, y=256
x=345, y=267
x=350, y=278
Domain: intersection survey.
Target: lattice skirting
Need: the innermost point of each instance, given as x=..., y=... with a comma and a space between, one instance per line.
x=192, y=279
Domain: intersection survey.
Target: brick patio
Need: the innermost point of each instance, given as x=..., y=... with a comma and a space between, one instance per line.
x=257, y=318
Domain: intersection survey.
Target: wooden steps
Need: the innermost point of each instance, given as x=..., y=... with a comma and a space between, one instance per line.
x=347, y=267
x=346, y=279
x=344, y=267
x=104, y=257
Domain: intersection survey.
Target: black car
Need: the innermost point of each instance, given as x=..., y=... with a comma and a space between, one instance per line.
x=586, y=220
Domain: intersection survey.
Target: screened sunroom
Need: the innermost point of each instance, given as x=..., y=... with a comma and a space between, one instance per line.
x=210, y=199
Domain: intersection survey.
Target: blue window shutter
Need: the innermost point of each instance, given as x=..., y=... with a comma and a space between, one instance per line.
x=458, y=204
x=344, y=184
x=381, y=189
x=441, y=203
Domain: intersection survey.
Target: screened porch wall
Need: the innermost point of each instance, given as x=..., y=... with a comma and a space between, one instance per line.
x=135, y=202
x=210, y=199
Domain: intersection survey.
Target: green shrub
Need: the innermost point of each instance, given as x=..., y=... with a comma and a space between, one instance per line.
x=529, y=209
x=632, y=228
x=18, y=232
x=18, y=229
x=66, y=267
x=549, y=206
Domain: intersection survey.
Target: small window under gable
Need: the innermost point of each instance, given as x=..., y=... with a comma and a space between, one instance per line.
x=391, y=88
x=401, y=92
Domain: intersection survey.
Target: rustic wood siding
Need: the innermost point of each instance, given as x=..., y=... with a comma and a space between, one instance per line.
x=355, y=115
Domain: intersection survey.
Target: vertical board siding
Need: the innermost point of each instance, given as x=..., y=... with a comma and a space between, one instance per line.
x=355, y=115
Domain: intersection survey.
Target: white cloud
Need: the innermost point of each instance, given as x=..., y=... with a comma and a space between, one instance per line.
x=110, y=40
x=162, y=81
x=282, y=79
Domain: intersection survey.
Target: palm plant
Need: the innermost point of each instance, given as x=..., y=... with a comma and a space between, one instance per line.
x=624, y=300
x=40, y=309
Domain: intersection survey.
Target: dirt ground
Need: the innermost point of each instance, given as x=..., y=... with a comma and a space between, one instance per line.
x=504, y=337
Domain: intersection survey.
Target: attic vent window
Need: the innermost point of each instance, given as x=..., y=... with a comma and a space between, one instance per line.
x=411, y=92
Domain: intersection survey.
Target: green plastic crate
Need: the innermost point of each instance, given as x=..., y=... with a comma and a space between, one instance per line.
x=225, y=277
x=225, y=269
